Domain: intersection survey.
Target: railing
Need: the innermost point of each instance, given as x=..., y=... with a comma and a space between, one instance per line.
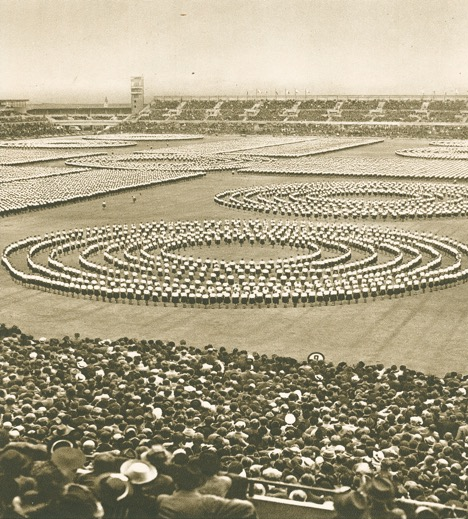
x=293, y=486
x=269, y=507
x=435, y=506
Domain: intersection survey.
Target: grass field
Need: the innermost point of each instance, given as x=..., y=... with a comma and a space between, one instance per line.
x=428, y=332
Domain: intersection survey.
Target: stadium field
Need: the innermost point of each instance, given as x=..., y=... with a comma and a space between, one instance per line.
x=427, y=332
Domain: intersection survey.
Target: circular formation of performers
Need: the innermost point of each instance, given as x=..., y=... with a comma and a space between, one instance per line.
x=154, y=263
x=352, y=200
x=462, y=143
x=436, y=152
x=162, y=161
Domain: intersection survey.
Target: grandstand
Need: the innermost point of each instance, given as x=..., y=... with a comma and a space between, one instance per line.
x=396, y=109
x=380, y=116
x=385, y=116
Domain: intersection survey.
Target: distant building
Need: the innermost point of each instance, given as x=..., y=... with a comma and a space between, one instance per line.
x=137, y=94
x=13, y=105
x=106, y=103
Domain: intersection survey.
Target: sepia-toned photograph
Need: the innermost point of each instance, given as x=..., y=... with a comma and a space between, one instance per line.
x=234, y=259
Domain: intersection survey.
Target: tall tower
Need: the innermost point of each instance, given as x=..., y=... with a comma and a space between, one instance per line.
x=137, y=94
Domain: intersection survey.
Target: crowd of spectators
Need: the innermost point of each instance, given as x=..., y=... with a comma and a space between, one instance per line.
x=445, y=117
x=312, y=115
x=96, y=428
x=196, y=110
x=12, y=117
x=272, y=110
x=449, y=105
x=234, y=110
x=34, y=128
x=301, y=128
x=231, y=115
x=357, y=110
x=318, y=104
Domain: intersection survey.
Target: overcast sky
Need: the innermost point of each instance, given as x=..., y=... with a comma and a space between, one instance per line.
x=85, y=50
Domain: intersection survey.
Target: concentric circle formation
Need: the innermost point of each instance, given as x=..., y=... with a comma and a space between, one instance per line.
x=436, y=152
x=352, y=200
x=160, y=263
x=458, y=143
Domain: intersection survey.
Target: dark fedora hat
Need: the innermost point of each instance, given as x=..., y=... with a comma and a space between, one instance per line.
x=351, y=505
x=380, y=489
x=13, y=462
x=113, y=487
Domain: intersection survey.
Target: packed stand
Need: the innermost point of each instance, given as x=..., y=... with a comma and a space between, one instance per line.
x=313, y=110
x=28, y=129
x=299, y=127
x=98, y=427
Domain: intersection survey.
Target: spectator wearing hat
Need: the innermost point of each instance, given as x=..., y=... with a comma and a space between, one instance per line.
x=215, y=484
x=114, y=491
x=33, y=451
x=298, y=495
x=424, y=512
x=462, y=433
x=74, y=502
x=9, y=489
x=141, y=505
x=158, y=456
x=239, y=484
x=352, y=505
x=381, y=493
x=188, y=503
x=179, y=458
x=103, y=463
x=68, y=460
x=50, y=482
x=273, y=474
x=13, y=463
